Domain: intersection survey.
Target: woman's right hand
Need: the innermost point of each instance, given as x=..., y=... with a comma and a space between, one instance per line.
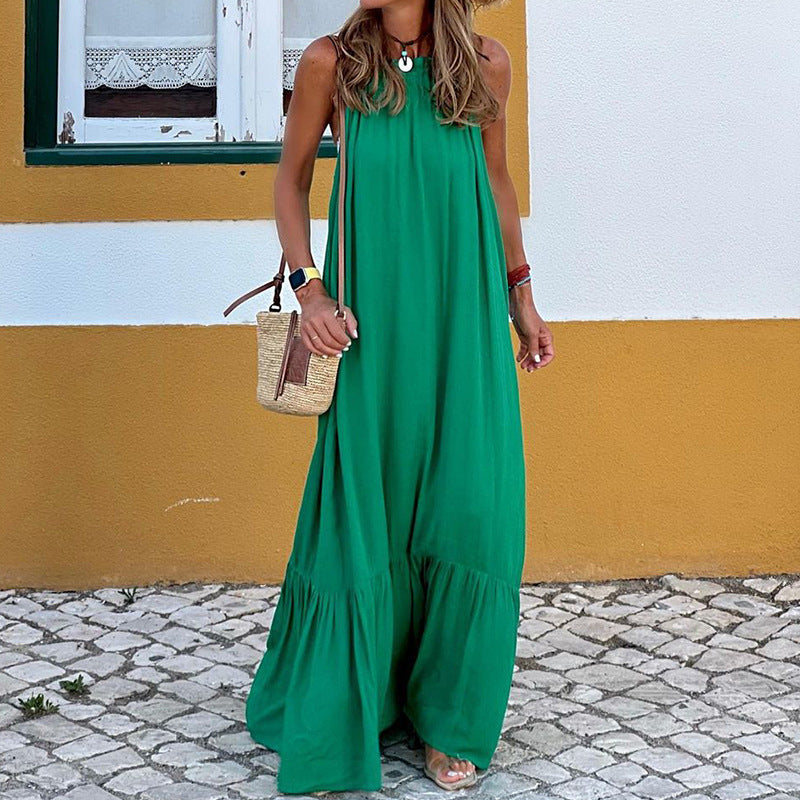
x=322, y=331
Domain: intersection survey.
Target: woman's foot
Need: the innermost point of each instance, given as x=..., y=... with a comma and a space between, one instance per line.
x=447, y=771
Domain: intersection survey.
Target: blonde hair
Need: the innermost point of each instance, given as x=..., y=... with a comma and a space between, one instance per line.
x=459, y=91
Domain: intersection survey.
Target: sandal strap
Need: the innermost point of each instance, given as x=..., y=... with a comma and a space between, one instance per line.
x=446, y=761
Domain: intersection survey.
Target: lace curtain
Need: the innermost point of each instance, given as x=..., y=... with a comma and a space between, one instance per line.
x=163, y=45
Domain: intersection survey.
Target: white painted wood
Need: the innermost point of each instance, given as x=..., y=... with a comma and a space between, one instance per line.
x=229, y=69
x=71, y=67
x=163, y=130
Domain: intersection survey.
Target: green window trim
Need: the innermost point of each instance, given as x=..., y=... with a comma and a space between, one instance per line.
x=41, y=109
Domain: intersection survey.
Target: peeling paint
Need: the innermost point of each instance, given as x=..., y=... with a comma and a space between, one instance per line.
x=67, y=135
x=166, y=128
x=192, y=500
x=248, y=136
x=181, y=133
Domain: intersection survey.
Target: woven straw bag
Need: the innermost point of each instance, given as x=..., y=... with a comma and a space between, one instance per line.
x=292, y=379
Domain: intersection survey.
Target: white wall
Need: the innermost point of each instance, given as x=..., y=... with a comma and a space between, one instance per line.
x=665, y=141
x=665, y=175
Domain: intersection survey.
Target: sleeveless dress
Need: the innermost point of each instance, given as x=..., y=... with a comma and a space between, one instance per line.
x=400, y=601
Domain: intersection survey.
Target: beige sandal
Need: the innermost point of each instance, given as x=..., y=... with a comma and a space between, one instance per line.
x=432, y=771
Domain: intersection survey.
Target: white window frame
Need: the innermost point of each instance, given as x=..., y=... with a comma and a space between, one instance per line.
x=249, y=83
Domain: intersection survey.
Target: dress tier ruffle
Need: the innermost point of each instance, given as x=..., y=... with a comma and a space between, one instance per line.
x=401, y=595
x=342, y=667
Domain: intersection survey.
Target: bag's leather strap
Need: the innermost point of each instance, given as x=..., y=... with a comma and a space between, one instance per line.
x=277, y=281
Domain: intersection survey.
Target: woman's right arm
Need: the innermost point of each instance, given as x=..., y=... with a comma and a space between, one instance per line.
x=309, y=110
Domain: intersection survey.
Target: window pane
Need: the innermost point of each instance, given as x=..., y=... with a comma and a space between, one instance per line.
x=304, y=21
x=150, y=58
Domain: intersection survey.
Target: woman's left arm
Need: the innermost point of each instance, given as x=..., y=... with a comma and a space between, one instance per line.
x=534, y=335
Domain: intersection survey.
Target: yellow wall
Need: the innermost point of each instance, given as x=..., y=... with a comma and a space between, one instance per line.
x=652, y=447
x=193, y=191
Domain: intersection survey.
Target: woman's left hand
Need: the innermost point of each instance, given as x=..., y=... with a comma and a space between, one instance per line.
x=535, y=338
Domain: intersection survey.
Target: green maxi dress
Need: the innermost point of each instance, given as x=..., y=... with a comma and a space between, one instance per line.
x=400, y=601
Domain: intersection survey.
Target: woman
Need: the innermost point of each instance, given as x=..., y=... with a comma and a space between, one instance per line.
x=400, y=602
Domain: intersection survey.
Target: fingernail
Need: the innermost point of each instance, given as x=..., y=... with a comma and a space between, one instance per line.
x=338, y=355
x=347, y=348
x=324, y=356
x=355, y=334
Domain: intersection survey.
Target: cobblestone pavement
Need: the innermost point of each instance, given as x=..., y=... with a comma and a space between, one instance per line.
x=657, y=689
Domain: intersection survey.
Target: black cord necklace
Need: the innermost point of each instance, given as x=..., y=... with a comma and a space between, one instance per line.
x=405, y=62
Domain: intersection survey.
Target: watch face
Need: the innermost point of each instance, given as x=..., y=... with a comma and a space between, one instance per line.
x=297, y=278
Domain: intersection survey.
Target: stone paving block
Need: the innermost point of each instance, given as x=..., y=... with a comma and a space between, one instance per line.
x=22, y=760
x=548, y=708
x=703, y=776
x=113, y=761
x=694, y=711
x=147, y=624
x=222, y=676
x=731, y=642
x=82, y=632
x=55, y=777
x=20, y=634
x=114, y=689
x=760, y=628
x=586, y=788
x=87, y=746
x=115, y=724
x=742, y=789
x=155, y=710
x=135, y=781
x=608, y=677
x=727, y=727
x=748, y=605
x=621, y=775
x=724, y=660
x=88, y=793
x=698, y=588
x=61, y=652
x=80, y=712
x=686, y=679
x=149, y=739
x=588, y=725
x=600, y=630
x=658, y=724
x=543, y=770
x=584, y=759
x=622, y=742
x=198, y=725
x=51, y=728
x=100, y=666
x=763, y=585
x=789, y=594
x=544, y=738
x=680, y=649
x=183, y=791
x=657, y=692
x=699, y=744
x=625, y=707
x=783, y=780
x=763, y=744
x=664, y=760
x=744, y=762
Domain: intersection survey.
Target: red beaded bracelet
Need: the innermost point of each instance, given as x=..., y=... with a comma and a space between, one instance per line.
x=516, y=274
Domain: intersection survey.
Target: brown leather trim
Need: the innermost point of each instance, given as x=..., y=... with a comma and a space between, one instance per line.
x=285, y=360
x=299, y=357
